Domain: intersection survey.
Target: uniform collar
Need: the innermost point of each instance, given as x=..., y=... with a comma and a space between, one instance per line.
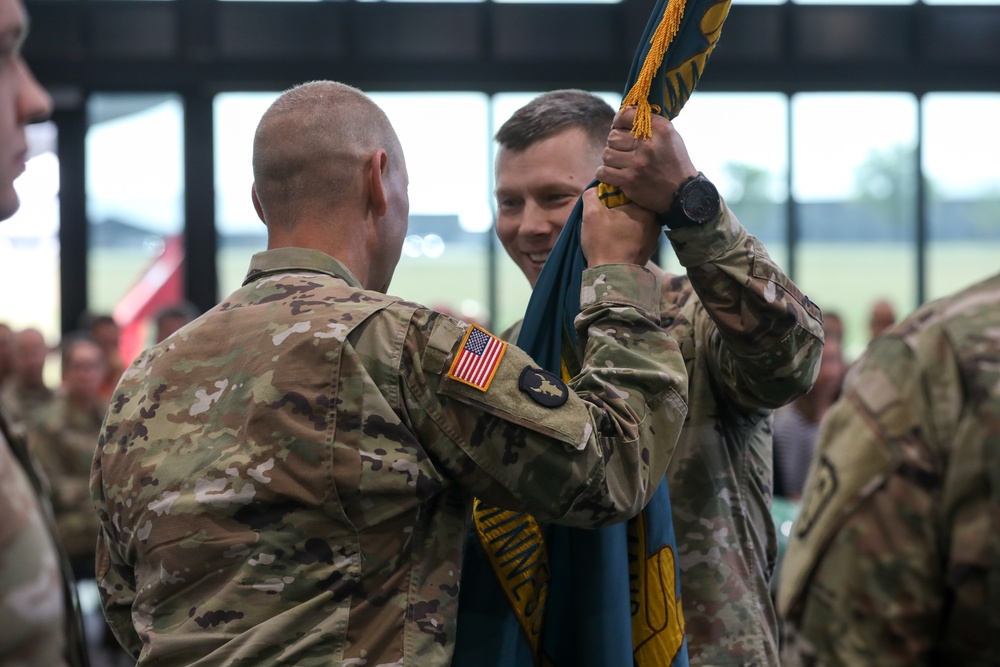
x=297, y=260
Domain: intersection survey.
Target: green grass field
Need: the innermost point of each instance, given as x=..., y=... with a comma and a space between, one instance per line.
x=845, y=277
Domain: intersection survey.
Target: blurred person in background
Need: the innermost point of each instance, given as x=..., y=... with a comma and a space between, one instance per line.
x=882, y=316
x=37, y=625
x=796, y=425
x=25, y=392
x=107, y=334
x=63, y=434
x=6, y=340
x=173, y=317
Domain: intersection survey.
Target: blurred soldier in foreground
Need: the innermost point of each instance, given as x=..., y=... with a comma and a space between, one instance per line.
x=35, y=629
x=288, y=478
x=894, y=555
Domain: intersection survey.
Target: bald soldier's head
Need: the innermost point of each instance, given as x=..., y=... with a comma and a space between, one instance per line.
x=329, y=174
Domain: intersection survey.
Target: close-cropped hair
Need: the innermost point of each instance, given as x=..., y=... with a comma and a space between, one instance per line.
x=310, y=146
x=553, y=112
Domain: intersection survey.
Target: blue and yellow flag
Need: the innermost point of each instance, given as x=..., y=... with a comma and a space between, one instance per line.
x=552, y=596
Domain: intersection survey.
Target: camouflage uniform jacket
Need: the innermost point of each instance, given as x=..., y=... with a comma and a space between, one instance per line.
x=32, y=615
x=21, y=405
x=751, y=342
x=64, y=436
x=895, y=555
x=288, y=479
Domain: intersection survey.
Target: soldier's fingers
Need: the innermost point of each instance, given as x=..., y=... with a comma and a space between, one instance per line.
x=610, y=175
x=615, y=158
x=624, y=118
x=621, y=140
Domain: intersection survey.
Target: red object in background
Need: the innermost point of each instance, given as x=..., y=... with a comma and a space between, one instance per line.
x=161, y=285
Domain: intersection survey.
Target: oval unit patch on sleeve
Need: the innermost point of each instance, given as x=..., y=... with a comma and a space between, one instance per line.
x=543, y=387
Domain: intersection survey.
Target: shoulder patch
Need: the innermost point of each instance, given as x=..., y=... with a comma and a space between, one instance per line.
x=478, y=358
x=543, y=387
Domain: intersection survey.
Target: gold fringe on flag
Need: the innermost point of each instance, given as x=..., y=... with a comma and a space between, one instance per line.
x=642, y=126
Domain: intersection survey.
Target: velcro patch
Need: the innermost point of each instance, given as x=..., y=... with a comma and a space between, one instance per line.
x=478, y=359
x=543, y=387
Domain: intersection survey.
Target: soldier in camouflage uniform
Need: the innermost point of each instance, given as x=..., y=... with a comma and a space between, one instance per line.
x=63, y=435
x=751, y=342
x=288, y=479
x=35, y=628
x=894, y=555
x=24, y=393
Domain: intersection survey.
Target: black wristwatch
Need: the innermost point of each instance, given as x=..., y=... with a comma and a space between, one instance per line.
x=695, y=203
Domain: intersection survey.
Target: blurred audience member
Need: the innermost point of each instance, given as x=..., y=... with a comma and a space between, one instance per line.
x=882, y=317
x=6, y=336
x=796, y=426
x=24, y=390
x=833, y=326
x=64, y=435
x=106, y=333
x=172, y=318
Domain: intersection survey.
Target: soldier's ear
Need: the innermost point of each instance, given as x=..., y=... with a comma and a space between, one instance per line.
x=377, y=199
x=256, y=203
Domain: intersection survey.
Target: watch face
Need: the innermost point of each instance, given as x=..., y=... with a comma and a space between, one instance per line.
x=700, y=201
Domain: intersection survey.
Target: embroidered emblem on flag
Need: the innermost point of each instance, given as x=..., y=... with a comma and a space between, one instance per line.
x=479, y=358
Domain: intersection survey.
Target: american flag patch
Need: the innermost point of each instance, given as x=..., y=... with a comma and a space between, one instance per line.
x=479, y=358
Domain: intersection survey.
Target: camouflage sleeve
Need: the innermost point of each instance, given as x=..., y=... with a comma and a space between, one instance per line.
x=115, y=578
x=766, y=336
x=861, y=580
x=116, y=584
x=588, y=454
x=31, y=601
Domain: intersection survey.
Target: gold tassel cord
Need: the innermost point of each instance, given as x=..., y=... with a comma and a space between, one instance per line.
x=642, y=126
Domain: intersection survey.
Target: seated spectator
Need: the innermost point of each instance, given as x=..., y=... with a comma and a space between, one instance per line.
x=6, y=336
x=796, y=426
x=24, y=391
x=882, y=317
x=105, y=332
x=64, y=435
x=172, y=318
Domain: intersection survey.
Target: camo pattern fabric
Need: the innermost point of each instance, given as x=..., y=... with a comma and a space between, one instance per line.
x=32, y=612
x=288, y=479
x=751, y=342
x=895, y=555
x=63, y=437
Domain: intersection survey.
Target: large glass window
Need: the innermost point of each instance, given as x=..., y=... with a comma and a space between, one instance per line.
x=445, y=260
x=135, y=194
x=740, y=142
x=240, y=231
x=854, y=181
x=962, y=189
